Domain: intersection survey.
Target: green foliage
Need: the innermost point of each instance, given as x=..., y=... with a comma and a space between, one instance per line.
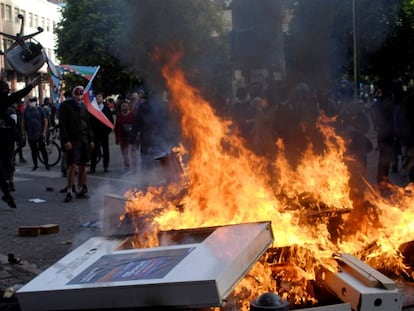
x=170, y=26
x=122, y=35
x=321, y=42
x=86, y=36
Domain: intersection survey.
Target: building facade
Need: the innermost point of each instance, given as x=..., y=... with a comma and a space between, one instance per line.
x=36, y=13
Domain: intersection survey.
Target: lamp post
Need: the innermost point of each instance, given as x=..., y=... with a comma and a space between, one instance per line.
x=355, y=31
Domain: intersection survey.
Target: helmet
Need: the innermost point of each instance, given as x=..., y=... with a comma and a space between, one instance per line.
x=77, y=90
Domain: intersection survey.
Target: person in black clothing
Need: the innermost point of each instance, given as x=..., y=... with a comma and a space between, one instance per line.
x=77, y=139
x=35, y=124
x=101, y=134
x=21, y=138
x=7, y=134
x=384, y=113
x=405, y=136
x=155, y=129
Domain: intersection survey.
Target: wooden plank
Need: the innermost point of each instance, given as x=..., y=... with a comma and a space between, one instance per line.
x=29, y=230
x=49, y=229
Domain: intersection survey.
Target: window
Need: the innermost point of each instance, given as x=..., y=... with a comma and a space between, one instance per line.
x=35, y=21
x=8, y=15
x=3, y=14
x=16, y=13
x=4, y=47
x=31, y=20
x=47, y=25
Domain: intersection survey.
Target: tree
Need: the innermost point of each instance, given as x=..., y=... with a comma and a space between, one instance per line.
x=194, y=27
x=86, y=36
x=320, y=42
x=122, y=35
x=396, y=57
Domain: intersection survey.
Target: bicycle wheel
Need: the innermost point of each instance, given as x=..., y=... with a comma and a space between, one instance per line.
x=53, y=153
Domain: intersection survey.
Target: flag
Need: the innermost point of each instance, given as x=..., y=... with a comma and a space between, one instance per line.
x=92, y=105
x=55, y=85
x=88, y=72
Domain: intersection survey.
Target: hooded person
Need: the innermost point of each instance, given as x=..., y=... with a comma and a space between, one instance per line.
x=7, y=137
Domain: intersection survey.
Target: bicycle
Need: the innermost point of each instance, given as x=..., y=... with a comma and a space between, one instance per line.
x=53, y=149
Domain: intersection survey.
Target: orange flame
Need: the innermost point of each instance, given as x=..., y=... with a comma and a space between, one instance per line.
x=226, y=183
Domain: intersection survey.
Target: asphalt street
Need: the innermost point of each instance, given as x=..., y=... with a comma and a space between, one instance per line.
x=39, y=202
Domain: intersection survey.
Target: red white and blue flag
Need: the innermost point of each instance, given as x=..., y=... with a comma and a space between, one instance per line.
x=90, y=102
x=89, y=73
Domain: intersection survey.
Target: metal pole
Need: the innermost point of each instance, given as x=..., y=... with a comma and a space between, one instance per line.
x=356, y=45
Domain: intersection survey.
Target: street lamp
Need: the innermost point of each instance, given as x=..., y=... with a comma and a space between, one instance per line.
x=355, y=31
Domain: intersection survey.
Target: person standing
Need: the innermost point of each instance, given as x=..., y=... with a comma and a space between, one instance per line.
x=7, y=130
x=123, y=126
x=101, y=135
x=35, y=124
x=77, y=139
x=63, y=166
x=384, y=113
x=21, y=139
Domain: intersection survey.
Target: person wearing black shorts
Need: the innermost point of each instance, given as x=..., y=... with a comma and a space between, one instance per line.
x=77, y=140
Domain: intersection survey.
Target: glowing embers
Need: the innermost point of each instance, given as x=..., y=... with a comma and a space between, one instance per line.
x=194, y=268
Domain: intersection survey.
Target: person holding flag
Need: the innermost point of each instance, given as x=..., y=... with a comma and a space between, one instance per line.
x=77, y=139
x=101, y=134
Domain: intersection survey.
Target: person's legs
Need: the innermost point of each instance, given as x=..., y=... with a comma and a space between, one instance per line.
x=42, y=149
x=82, y=175
x=63, y=163
x=124, y=150
x=105, y=152
x=20, y=152
x=33, y=149
x=384, y=162
x=7, y=197
x=82, y=180
x=94, y=155
x=134, y=157
x=72, y=158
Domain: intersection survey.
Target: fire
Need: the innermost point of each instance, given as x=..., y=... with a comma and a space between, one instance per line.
x=226, y=183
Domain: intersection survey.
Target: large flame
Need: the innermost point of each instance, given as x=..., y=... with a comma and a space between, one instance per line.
x=226, y=183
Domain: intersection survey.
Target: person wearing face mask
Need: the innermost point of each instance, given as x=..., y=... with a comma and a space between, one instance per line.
x=123, y=125
x=77, y=139
x=35, y=125
x=7, y=130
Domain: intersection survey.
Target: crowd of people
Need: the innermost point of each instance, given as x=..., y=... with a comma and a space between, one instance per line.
x=262, y=113
x=138, y=123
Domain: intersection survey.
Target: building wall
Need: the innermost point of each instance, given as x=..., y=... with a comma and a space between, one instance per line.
x=37, y=13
